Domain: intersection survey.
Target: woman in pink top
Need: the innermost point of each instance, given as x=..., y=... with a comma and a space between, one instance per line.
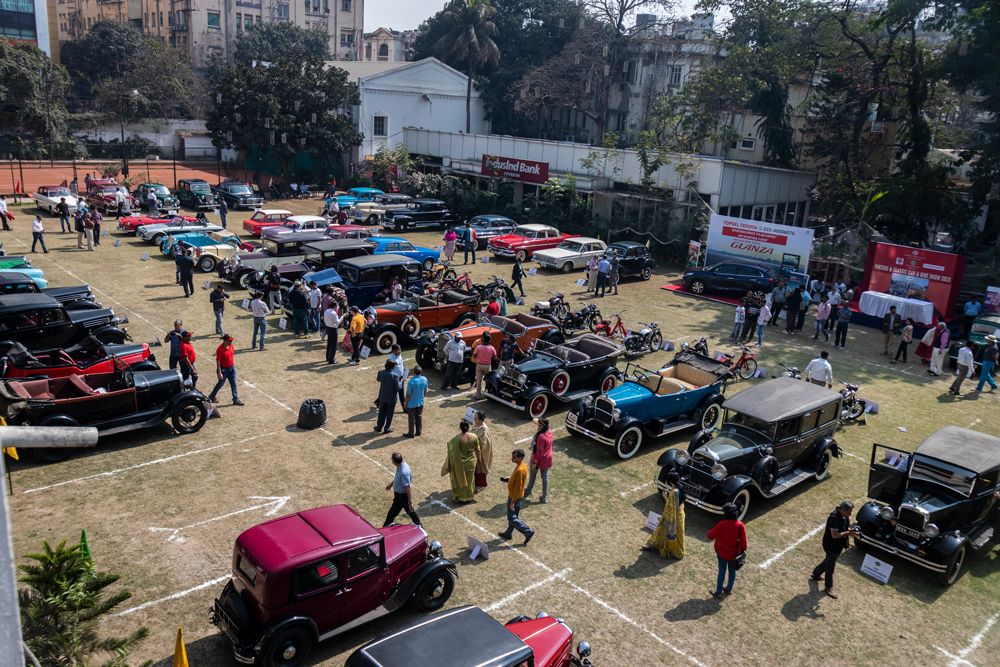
x=483, y=355
x=541, y=458
x=450, y=238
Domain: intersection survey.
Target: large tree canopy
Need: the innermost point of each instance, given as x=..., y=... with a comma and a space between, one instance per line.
x=33, y=117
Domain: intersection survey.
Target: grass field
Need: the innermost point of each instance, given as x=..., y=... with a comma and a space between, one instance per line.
x=585, y=565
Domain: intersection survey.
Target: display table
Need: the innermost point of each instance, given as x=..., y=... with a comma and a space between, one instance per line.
x=877, y=304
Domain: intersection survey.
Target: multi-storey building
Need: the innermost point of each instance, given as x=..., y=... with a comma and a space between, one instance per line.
x=387, y=45
x=28, y=21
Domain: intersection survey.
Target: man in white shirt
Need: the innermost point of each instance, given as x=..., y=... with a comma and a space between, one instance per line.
x=3, y=213
x=38, y=234
x=834, y=308
x=331, y=320
x=455, y=351
x=965, y=362
x=819, y=371
x=260, y=312
x=315, y=295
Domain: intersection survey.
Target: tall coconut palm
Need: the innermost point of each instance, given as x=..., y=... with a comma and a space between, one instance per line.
x=469, y=40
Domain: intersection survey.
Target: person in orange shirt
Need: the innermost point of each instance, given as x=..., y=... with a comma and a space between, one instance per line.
x=356, y=329
x=515, y=492
x=483, y=355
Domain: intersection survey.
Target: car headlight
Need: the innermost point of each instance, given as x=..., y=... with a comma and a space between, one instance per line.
x=682, y=458
x=616, y=414
x=583, y=649
x=435, y=549
x=886, y=513
x=588, y=401
x=719, y=472
x=541, y=614
x=522, y=378
x=932, y=531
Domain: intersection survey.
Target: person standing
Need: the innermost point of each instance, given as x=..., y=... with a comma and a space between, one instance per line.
x=940, y=349
x=738, y=321
x=174, y=338
x=388, y=390
x=225, y=370
x=325, y=302
x=356, y=329
x=778, y=296
x=592, y=264
x=86, y=180
x=615, y=275
x=188, y=357
x=272, y=287
x=516, y=274
x=819, y=371
x=416, y=390
x=331, y=322
x=299, y=303
x=98, y=218
x=803, y=309
x=603, y=275
x=38, y=234
x=792, y=303
x=834, y=297
x=668, y=538
x=185, y=271
x=905, y=338
x=450, y=239
x=493, y=308
x=501, y=301
x=454, y=351
x=964, y=362
x=88, y=230
x=151, y=204
x=399, y=370
x=541, y=458
x=970, y=312
x=752, y=305
x=471, y=242
x=843, y=322
x=218, y=298
x=483, y=354
x=835, y=540
x=62, y=208
x=891, y=322
x=762, y=320
x=988, y=364
x=402, y=496
x=260, y=311
x=223, y=210
x=74, y=186
x=730, y=536
x=508, y=347
x=79, y=227
x=822, y=315
x=315, y=306
x=484, y=454
x=515, y=493
x=460, y=465
x=5, y=215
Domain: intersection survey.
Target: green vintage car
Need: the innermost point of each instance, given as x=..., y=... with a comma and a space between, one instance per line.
x=14, y=262
x=987, y=324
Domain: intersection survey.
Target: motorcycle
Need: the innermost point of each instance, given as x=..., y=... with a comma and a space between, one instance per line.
x=647, y=339
x=585, y=318
x=852, y=407
x=701, y=347
x=790, y=372
x=490, y=288
x=556, y=307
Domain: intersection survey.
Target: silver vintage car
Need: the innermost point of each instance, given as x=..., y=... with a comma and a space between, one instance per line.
x=571, y=254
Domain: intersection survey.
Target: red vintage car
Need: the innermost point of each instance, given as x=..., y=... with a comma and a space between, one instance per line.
x=265, y=217
x=90, y=356
x=305, y=577
x=406, y=318
x=102, y=195
x=525, y=240
x=133, y=222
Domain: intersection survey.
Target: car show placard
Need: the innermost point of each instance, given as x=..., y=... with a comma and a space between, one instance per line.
x=777, y=248
x=877, y=569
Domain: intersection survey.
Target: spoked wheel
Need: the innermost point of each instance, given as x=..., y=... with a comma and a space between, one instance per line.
x=538, y=406
x=609, y=382
x=449, y=274
x=655, y=341
x=710, y=416
x=189, y=415
x=628, y=442
x=559, y=383
x=748, y=369
x=742, y=502
x=954, y=569
x=560, y=310
x=384, y=342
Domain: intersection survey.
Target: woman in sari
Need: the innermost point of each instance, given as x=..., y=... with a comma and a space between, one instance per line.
x=484, y=453
x=668, y=538
x=450, y=239
x=461, y=463
x=926, y=346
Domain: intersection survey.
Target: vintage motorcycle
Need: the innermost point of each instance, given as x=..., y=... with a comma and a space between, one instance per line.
x=573, y=321
x=852, y=406
x=790, y=372
x=556, y=307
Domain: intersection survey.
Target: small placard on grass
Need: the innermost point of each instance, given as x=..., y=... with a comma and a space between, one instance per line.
x=652, y=520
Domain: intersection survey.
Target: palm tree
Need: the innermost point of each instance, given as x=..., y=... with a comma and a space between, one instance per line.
x=469, y=40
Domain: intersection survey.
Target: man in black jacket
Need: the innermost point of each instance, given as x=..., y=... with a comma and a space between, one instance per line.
x=835, y=540
x=388, y=391
x=62, y=208
x=516, y=274
x=185, y=271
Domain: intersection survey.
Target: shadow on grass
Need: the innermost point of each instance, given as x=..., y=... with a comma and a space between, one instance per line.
x=693, y=609
x=804, y=605
x=647, y=564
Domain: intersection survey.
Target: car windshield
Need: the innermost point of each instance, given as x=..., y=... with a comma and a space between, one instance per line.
x=929, y=496
x=738, y=422
x=527, y=233
x=59, y=192
x=573, y=246
x=201, y=188
x=239, y=189
x=941, y=475
x=160, y=190
x=348, y=273
x=985, y=328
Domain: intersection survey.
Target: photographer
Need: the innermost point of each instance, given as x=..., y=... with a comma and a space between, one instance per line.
x=835, y=540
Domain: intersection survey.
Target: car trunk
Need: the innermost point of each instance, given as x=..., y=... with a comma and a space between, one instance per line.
x=549, y=639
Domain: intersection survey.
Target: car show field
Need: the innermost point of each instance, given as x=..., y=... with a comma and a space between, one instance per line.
x=164, y=510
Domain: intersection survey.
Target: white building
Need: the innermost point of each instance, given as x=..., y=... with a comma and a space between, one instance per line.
x=387, y=45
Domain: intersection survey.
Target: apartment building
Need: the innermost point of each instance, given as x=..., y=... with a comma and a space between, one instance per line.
x=28, y=21
x=387, y=45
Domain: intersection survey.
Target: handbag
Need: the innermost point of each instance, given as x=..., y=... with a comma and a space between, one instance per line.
x=739, y=561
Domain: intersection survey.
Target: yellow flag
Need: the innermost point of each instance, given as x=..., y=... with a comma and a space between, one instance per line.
x=11, y=452
x=180, y=653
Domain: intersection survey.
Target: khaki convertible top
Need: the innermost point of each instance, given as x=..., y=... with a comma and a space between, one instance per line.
x=963, y=447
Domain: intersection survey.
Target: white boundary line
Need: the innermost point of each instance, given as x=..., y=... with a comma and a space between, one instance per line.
x=853, y=456
x=625, y=494
x=100, y=291
x=957, y=660
x=774, y=558
x=560, y=575
x=528, y=439
x=445, y=398
x=174, y=596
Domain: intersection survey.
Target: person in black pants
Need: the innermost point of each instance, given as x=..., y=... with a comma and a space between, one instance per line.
x=835, y=540
x=388, y=391
x=185, y=271
x=752, y=306
x=516, y=274
x=792, y=303
x=401, y=484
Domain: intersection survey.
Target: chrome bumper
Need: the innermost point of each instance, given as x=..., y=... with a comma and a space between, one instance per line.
x=895, y=551
x=503, y=252
x=509, y=404
x=571, y=425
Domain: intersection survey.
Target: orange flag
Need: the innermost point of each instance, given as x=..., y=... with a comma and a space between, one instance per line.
x=180, y=653
x=17, y=188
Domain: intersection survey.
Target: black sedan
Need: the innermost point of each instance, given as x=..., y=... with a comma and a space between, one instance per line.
x=239, y=195
x=487, y=227
x=634, y=259
x=730, y=277
x=38, y=321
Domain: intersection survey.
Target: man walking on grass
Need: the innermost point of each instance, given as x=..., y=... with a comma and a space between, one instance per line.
x=185, y=270
x=38, y=234
x=331, y=320
x=402, y=495
x=388, y=391
x=416, y=389
x=819, y=371
x=989, y=363
x=515, y=493
x=174, y=338
x=218, y=297
x=225, y=370
x=260, y=312
x=835, y=540
x=964, y=362
x=891, y=322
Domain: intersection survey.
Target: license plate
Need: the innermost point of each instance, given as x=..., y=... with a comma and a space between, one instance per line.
x=692, y=490
x=909, y=532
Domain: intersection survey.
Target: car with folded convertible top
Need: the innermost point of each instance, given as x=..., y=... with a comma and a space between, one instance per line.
x=526, y=240
x=402, y=320
x=154, y=233
x=38, y=322
x=130, y=223
x=75, y=297
x=166, y=202
x=87, y=356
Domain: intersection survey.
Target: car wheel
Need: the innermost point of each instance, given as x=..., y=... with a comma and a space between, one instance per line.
x=157, y=239
x=206, y=264
x=697, y=286
x=954, y=567
x=112, y=338
x=748, y=369
x=428, y=264
x=243, y=280
x=521, y=255
x=54, y=454
x=434, y=591
x=372, y=219
x=554, y=337
x=287, y=648
x=709, y=416
x=450, y=274
x=566, y=267
x=537, y=406
x=609, y=382
x=559, y=384
x=189, y=416
x=628, y=442
x=425, y=357
x=647, y=273
x=823, y=465
x=742, y=502
x=384, y=341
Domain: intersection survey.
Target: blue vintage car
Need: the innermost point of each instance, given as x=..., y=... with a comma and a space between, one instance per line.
x=36, y=275
x=683, y=394
x=400, y=246
x=364, y=194
x=368, y=279
x=197, y=239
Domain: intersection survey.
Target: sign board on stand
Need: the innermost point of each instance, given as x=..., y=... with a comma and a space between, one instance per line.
x=478, y=549
x=877, y=569
x=914, y=273
x=780, y=249
x=652, y=520
x=992, y=302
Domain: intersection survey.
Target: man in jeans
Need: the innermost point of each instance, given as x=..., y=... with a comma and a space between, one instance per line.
x=778, y=296
x=964, y=362
x=470, y=243
x=416, y=389
x=402, y=498
x=357, y=330
x=454, y=350
x=174, y=338
x=315, y=306
x=38, y=234
x=835, y=540
x=515, y=493
x=822, y=315
x=218, y=298
x=225, y=369
x=891, y=322
x=603, y=276
x=260, y=312
x=843, y=321
x=989, y=363
x=62, y=208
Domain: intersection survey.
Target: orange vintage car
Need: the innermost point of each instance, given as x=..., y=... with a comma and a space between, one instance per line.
x=526, y=329
x=404, y=319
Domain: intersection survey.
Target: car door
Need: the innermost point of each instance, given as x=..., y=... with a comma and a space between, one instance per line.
x=317, y=588
x=363, y=587
x=887, y=473
x=407, y=249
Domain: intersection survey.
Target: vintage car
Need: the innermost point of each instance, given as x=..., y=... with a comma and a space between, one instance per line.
x=36, y=276
x=469, y=637
x=130, y=223
x=579, y=368
x=418, y=214
x=525, y=240
x=684, y=393
x=368, y=280
x=351, y=232
x=327, y=253
x=303, y=578
x=265, y=217
x=47, y=197
x=196, y=193
x=297, y=223
x=729, y=277
x=370, y=212
x=364, y=194
x=102, y=195
x=936, y=505
x=200, y=239
x=400, y=246
x=241, y=266
x=73, y=298
x=774, y=436
x=88, y=356
x=321, y=278
x=987, y=324
x=215, y=248
x=238, y=195
x=571, y=254
x=38, y=321
x=114, y=402
x=14, y=262
x=634, y=259
x=166, y=202
x=526, y=330
x=486, y=227
x=155, y=233
x=403, y=320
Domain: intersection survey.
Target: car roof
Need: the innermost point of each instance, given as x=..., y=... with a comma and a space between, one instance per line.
x=14, y=277
x=366, y=190
x=428, y=201
x=972, y=450
x=322, y=274
x=461, y=637
x=194, y=180
x=989, y=317
x=391, y=239
x=15, y=302
x=780, y=398
x=373, y=261
x=491, y=216
x=336, y=244
x=582, y=239
x=51, y=187
x=536, y=227
x=272, y=211
x=305, y=218
x=626, y=244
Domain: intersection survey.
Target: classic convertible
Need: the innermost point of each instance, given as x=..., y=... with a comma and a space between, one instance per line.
x=88, y=356
x=155, y=233
x=579, y=368
x=684, y=393
x=403, y=319
x=130, y=223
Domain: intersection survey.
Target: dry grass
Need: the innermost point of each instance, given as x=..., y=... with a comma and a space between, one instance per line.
x=632, y=607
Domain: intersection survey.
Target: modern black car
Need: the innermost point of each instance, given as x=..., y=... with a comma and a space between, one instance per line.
x=634, y=259
x=77, y=297
x=195, y=193
x=239, y=195
x=38, y=321
x=729, y=277
x=936, y=505
x=487, y=227
x=417, y=214
x=774, y=436
x=114, y=402
x=166, y=202
x=580, y=367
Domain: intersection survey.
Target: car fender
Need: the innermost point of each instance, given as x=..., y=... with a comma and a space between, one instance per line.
x=668, y=458
x=110, y=329
x=760, y=469
x=699, y=439
x=405, y=590
x=626, y=424
x=184, y=395
x=58, y=420
x=825, y=444
x=946, y=545
x=304, y=621
x=735, y=484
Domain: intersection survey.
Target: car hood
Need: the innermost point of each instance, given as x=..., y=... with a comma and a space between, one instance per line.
x=509, y=239
x=91, y=315
x=629, y=393
x=548, y=638
x=538, y=364
x=557, y=253
x=60, y=293
x=397, y=307
x=402, y=539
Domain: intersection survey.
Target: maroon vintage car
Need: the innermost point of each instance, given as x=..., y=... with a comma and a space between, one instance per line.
x=303, y=578
x=102, y=195
x=525, y=240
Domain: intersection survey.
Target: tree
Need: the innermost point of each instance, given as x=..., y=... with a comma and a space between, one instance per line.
x=468, y=39
x=104, y=52
x=390, y=165
x=33, y=116
x=278, y=92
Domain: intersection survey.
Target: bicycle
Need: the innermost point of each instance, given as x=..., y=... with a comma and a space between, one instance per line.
x=606, y=329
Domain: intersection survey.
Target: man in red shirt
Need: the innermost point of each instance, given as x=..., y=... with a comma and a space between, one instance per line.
x=187, y=359
x=493, y=308
x=225, y=369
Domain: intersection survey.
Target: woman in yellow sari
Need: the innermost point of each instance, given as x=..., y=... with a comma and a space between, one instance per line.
x=484, y=453
x=461, y=464
x=668, y=538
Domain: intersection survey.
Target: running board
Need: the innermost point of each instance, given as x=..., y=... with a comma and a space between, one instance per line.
x=677, y=426
x=788, y=480
x=982, y=538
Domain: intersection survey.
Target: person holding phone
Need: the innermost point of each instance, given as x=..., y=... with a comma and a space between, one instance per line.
x=835, y=539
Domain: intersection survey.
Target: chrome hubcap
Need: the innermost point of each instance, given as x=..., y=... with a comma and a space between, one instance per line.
x=289, y=652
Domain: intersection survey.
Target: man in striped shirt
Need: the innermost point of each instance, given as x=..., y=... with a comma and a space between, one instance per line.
x=260, y=311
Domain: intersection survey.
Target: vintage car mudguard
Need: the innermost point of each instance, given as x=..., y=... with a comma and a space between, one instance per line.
x=187, y=393
x=699, y=439
x=109, y=328
x=734, y=484
x=403, y=593
x=825, y=444
x=667, y=458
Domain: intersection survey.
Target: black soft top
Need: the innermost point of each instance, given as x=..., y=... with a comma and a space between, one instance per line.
x=701, y=362
x=963, y=447
x=333, y=245
x=460, y=637
x=14, y=278
x=378, y=261
x=12, y=303
x=780, y=398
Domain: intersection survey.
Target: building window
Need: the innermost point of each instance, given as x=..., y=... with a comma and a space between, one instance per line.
x=161, y=19
x=283, y=11
x=258, y=19
x=748, y=144
x=368, y=51
x=345, y=5
x=675, y=75
x=214, y=20
x=347, y=38
x=383, y=52
x=379, y=125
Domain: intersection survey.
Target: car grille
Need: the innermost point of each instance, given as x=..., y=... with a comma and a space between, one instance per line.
x=911, y=520
x=441, y=342
x=603, y=409
x=509, y=382
x=700, y=473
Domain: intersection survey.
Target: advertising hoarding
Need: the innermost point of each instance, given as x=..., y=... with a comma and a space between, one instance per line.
x=779, y=248
x=992, y=303
x=915, y=273
x=515, y=169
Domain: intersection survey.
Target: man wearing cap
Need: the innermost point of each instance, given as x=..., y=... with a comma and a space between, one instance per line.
x=225, y=369
x=989, y=363
x=454, y=350
x=187, y=359
x=835, y=540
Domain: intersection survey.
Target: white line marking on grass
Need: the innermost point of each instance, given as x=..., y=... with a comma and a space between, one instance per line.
x=977, y=640
x=853, y=456
x=523, y=440
x=774, y=558
x=560, y=575
x=624, y=494
x=892, y=368
x=152, y=603
x=100, y=291
x=445, y=398
x=274, y=504
x=265, y=394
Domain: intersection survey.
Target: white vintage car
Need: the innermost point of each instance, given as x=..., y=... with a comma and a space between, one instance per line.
x=296, y=223
x=371, y=212
x=175, y=225
x=47, y=196
x=571, y=254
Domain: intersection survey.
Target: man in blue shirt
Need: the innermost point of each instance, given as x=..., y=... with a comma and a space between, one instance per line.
x=603, y=275
x=416, y=388
x=175, y=338
x=972, y=310
x=401, y=485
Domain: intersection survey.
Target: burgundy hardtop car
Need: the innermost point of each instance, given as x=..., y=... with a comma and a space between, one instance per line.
x=305, y=577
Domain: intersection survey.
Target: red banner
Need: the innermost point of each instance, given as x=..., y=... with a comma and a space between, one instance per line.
x=515, y=169
x=915, y=273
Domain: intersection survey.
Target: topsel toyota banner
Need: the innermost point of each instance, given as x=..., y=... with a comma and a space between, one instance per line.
x=779, y=248
x=515, y=169
x=915, y=273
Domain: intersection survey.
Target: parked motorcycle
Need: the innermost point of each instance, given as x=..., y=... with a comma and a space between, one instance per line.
x=585, y=318
x=490, y=288
x=556, y=307
x=852, y=407
x=647, y=339
x=701, y=347
x=790, y=372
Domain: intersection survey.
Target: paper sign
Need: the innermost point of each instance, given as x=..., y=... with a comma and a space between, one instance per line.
x=117, y=243
x=365, y=352
x=484, y=260
x=478, y=549
x=145, y=256
x=871, y=408
x=245, y=304
x=470, y=414
x=105, y=233
x=207, y=284
x=282, y=324
x=582, y=282
x=902, y=429
x=667, y=346
x=519, y=301
x=761, y=372
x=877, y=569
x=440, y=248
x=532, y=271
x=652, y=520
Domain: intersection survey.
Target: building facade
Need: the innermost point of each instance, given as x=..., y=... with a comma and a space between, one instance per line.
x=28, y=21
x=385, y=45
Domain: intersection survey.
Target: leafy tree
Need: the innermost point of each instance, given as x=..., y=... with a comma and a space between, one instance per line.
x=33, y=116
x=105, y=52
x=468, y=39
x=390, y=165
x=278, y=92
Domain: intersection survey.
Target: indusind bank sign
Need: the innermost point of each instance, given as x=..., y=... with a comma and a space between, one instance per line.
x=515, y=169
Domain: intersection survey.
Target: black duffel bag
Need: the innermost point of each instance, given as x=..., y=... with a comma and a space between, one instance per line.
x=312, y=414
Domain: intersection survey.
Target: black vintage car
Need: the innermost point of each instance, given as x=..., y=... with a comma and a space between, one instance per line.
x=634, y=259
x=165, y=201
x=77, y=297
x=936, y=505
x=114, y=402
x=580, y=367
x=195, y=193
x=417, y=214
x=38, y=321
x=774, y=436
x=239, y=195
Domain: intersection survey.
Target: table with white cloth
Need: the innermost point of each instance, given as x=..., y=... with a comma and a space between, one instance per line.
x=877, y=304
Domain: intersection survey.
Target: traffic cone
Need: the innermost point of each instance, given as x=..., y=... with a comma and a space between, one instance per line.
x=180, y=653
